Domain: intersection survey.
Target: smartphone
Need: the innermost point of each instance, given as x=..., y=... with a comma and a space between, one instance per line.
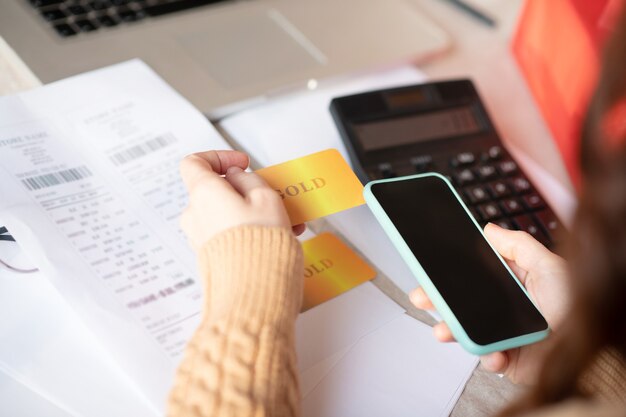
x=472, y=287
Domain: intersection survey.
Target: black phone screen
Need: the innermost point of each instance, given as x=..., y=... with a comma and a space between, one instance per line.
x=480, y=291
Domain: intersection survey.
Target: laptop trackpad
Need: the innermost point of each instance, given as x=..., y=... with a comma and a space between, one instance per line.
x=252, y=50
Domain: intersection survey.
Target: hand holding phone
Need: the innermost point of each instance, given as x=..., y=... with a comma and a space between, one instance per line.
x=545, y=277
x=482, y=302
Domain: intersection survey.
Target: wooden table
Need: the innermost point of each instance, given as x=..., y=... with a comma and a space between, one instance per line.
x=482, y=54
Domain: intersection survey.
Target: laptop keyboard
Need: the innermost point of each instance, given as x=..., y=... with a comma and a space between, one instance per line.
x=72, y=17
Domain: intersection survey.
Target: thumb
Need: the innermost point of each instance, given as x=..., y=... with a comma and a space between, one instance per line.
x=244, y=182
x=516, y=246
x=199, y=166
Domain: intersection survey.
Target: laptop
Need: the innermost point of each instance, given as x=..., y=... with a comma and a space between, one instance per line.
x=222, y=55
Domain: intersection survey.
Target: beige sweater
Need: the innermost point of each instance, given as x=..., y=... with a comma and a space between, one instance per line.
x=242, y=362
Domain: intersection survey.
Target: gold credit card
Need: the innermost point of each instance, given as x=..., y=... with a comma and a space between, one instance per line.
x=315, y=185
x=330, y=268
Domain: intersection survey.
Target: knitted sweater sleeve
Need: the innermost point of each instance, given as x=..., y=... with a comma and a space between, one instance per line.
x=605, y=380
x=241, y=360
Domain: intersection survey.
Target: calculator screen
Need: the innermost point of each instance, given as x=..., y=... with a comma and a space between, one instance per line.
x=406, y=130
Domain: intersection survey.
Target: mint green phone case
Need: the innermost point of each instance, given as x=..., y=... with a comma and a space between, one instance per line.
x=430, y=289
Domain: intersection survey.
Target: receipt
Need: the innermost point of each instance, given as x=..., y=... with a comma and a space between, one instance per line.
x=111, y=237
x=89, y=185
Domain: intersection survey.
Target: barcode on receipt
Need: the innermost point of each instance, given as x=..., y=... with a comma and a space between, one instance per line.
x=56, y=178
x=142, y=149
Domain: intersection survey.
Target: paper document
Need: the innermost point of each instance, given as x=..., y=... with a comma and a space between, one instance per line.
x=17, y=400
x=340, y=322
x=46, y=346
x=359, y=354
x=92, y=180
x=416, y=375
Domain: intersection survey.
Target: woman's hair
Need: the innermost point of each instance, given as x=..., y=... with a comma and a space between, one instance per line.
x=597, y=248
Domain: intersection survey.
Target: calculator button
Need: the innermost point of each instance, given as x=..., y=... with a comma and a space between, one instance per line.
x=494, y=153
x=527, y=224
x=505, y=224
x=507, y=168
x=533, y=201
x=386, y=170
x=463, y=159
x=499, y=189
x=421, y=163
x=486, y=172
x=548, y=221
x=464, y=177
x=476, y=195
x=520, y=185
x=512, y=206
x=489, y=211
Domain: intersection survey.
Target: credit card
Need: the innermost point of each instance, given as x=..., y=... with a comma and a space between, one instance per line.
x=315, y=185
x=330, y=268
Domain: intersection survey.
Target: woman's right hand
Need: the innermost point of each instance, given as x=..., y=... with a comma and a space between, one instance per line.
x=545, y=277
x=222, y=195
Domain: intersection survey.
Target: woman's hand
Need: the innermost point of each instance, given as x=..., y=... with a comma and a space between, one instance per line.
x=222, y=195
x=544, y=275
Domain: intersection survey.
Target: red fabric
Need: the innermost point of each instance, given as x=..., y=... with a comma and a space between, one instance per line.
x=557, y=46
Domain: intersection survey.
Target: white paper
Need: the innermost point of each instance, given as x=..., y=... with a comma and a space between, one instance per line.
x=340, y=322
x=90, y=186
x=17, y=400
x=398, y=370
x=310, y=378
x=301, y=124
x=47, y=347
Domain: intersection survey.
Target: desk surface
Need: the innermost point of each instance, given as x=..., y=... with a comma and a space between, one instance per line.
x=483, y=54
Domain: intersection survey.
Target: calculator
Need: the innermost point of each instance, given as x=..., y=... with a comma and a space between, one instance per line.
x=443, y=127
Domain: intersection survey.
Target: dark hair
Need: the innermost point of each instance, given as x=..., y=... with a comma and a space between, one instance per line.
x=597, y=248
